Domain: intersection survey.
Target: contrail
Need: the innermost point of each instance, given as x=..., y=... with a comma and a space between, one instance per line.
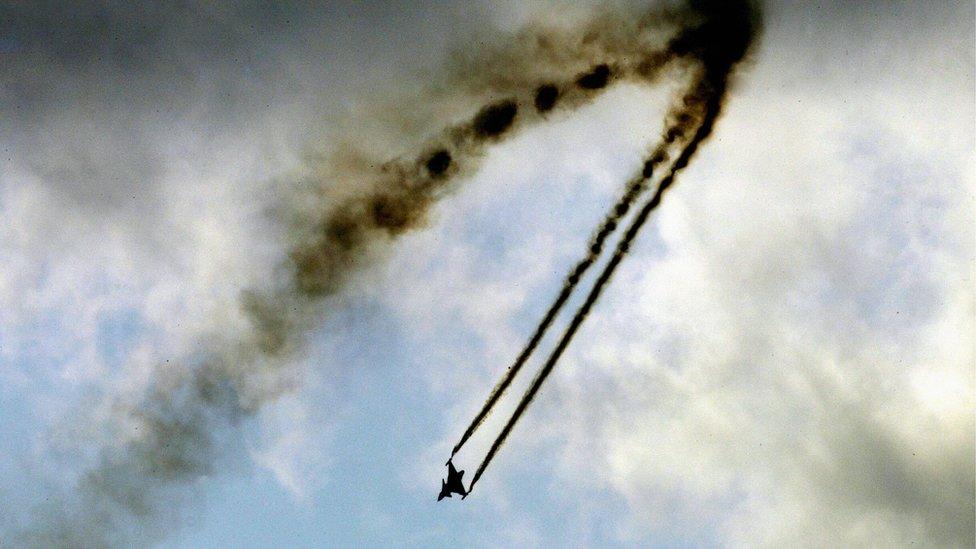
x=719, y=48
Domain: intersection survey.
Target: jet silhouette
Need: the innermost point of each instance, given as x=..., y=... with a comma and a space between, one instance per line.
x=453, y=484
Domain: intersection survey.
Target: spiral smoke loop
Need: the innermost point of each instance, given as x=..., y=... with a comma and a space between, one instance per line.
x=345, y=211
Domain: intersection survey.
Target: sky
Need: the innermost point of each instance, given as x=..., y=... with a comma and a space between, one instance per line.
x=786, y=357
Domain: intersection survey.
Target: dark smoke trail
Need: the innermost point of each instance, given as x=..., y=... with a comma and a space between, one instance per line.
x=679, y=123
x=581, y=314
x=596, y=247
x=720, y=43
x=635, y=188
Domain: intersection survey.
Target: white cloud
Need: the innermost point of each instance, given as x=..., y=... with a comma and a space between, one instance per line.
x=292, y=446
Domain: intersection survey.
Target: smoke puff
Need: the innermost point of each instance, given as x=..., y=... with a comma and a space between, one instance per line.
x=493, y=120
x=648, y=171
x=595, y=79
x=438, y=163
x=545, y=97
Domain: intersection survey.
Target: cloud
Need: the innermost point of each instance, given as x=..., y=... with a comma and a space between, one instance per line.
x=788, y=357
x=293, y=449
x=798, y=366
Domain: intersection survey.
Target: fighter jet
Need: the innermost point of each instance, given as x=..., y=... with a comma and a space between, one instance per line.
x=453, y=484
